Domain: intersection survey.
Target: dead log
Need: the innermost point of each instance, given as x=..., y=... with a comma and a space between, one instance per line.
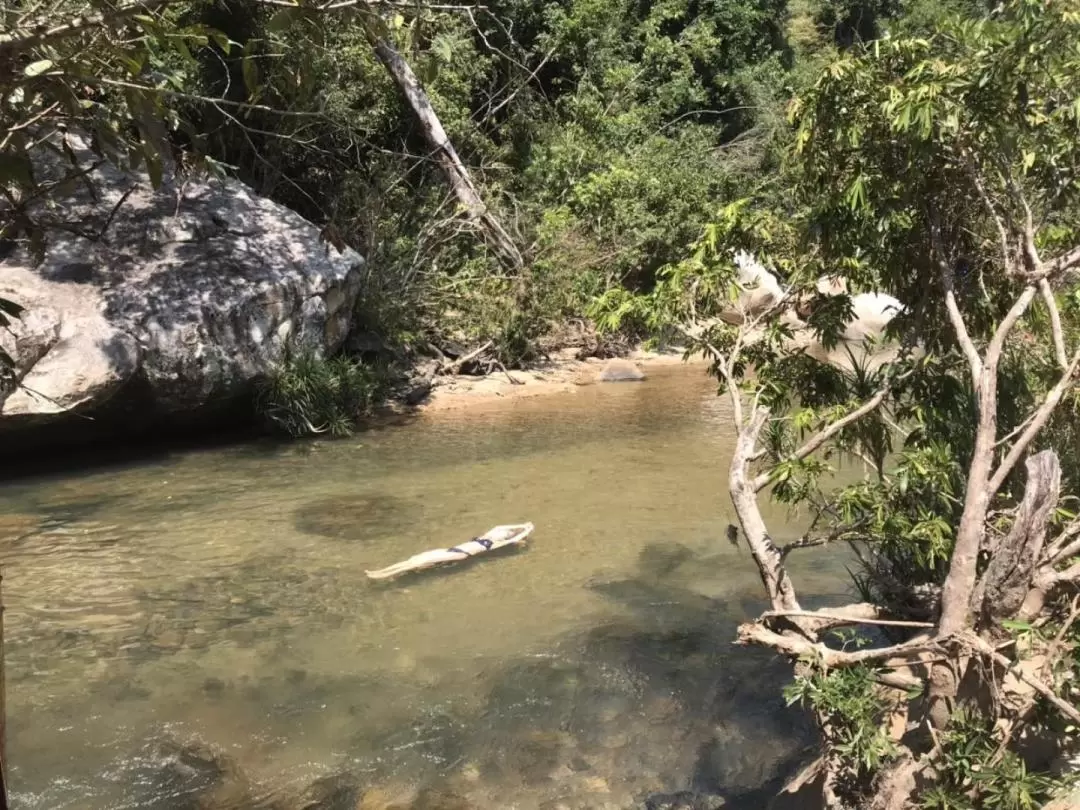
x=455, y=367
x=457, y=176
x=1013, y=561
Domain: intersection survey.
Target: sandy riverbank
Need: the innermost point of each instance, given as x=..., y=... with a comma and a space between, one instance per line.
x=563, y=373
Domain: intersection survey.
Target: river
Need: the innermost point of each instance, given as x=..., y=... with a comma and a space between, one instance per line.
x=195, y=629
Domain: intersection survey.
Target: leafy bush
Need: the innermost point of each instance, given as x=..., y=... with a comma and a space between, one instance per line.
x=307, y=394
x=980, y=773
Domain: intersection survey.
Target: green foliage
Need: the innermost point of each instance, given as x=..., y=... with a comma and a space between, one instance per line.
x=980, y=775
x=113, y=80
x=851, y=706
x=921, y=162
x=900, y=142
x=307, y=394
x=8, y=311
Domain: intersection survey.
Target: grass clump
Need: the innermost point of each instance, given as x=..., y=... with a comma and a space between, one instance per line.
x=306, y=394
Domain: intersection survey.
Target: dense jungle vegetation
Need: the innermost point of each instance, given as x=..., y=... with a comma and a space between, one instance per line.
x=508, y=168
x=601, y=135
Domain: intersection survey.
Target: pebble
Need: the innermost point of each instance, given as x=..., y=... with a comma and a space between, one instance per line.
x=597, y=784
x=617, y=741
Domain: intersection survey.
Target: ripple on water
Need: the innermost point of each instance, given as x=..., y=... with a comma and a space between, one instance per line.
x=200, y=628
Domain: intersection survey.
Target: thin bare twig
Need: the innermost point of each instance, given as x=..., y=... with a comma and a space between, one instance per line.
x=1062, y=706
x=822, y=436
x=841, y=618
x=956, y=318
x=798, y=647
x=1006, y=254
x=1058, y=333
x=40, y=33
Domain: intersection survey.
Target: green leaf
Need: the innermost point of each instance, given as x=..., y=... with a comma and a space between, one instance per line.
x=250, y=69
x=11, y=308
x=16, y=169
x=221, y=40
x=283, y=19
x=38, y=67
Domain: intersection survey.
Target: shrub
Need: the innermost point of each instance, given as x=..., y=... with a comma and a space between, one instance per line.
x=307, y=394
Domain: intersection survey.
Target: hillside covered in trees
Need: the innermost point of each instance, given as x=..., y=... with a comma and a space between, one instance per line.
x=597, y=137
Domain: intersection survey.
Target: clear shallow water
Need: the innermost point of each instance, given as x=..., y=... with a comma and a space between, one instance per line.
x=218, y=599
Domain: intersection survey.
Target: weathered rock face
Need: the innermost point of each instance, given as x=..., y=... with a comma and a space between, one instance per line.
x=164, y=304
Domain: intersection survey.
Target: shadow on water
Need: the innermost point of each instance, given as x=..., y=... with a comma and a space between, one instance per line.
x=354, y=517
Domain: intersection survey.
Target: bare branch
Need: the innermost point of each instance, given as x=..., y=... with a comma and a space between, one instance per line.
x=1006, y=254
x=1062, y=706
x=956, y=318
x=29, y=122
x=807, y=542
x=41, y=32
x=1062, y=264
x=837, y=617
x=532, y=75
x=1038, y=422
x=240, y=105
x=797, y=646
x=822, y=436
x=1001, y=334
x=1055, y=323
x=959, y=586
x=1063, y=546
x=1031, y=253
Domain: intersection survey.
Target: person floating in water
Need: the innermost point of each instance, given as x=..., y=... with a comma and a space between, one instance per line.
x=483, y=542
x=496, y=538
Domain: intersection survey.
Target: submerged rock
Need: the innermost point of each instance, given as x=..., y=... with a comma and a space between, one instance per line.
x=435, y=799
x=154, y=306
x=191, y=776
x=620, y=371
x=336, y=792
x=684, y=800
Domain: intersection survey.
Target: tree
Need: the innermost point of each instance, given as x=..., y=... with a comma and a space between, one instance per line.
x=943, y=170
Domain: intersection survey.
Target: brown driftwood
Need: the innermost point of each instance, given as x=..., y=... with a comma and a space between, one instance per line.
x=495, y=538
x=455, y=366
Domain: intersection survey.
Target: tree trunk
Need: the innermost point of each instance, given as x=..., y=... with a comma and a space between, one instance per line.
x=770, y=562
x=495, y=235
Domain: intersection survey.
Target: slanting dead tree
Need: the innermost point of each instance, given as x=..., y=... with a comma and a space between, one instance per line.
x=454, y=170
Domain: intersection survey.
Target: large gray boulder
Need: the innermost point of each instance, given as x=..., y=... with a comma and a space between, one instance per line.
x=164, y=304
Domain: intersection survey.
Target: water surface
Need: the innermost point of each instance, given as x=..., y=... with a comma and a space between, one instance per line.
x=217, y=600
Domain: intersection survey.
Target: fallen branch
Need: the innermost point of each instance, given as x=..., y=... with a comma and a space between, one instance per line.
x=1061, y=705
x=838, y=617
x=800, y=647
x=452, y=368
